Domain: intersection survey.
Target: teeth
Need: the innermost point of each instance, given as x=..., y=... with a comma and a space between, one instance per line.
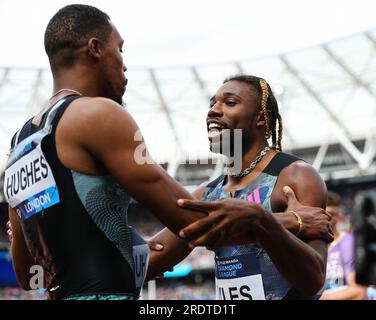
x=215, y=126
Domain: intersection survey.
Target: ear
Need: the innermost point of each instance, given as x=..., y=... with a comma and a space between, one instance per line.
x=94, y=47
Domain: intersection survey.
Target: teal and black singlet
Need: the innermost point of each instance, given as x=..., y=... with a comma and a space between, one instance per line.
x=83, y=243
x=246, y=272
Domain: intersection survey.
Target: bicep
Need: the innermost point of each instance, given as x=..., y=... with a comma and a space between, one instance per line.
x=308, y=186
x=310, y=190
x=118, y=144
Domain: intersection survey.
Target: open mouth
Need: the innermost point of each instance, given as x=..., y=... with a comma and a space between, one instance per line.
x=215, y=129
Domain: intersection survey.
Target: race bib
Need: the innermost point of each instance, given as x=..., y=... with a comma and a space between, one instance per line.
x=141, y=253
x=29, y=185
x=238, y=278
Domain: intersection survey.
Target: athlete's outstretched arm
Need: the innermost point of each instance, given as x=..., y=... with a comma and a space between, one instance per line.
x=106, y=132
x=316, y=225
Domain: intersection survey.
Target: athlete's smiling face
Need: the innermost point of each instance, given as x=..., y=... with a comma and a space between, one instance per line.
x=235, y=105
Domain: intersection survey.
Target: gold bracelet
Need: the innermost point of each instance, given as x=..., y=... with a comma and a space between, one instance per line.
x=299, y=221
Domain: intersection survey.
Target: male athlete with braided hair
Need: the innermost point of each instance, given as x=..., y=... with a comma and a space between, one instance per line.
x=277, y=264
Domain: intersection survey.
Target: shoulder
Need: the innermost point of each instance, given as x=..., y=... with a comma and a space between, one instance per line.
x=300, y=172
x=95, y=115
x=96, y=107
x=305, y=181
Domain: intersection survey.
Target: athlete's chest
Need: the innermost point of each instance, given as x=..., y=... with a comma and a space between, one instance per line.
x=262, y=191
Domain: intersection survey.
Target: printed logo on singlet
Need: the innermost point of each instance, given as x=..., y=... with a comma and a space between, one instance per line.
x=237, y=269
x=258, y=195
x=238, y=274
x=238, y=278
x=29, y=185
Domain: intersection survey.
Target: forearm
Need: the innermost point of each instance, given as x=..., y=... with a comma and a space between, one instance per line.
x=174, y=251
x=287, y=220
x=298, y=262
x=159, y=193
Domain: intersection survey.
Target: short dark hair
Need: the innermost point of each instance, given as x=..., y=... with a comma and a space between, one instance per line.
x=70, y=29
x=333, y=199
x=270, y=107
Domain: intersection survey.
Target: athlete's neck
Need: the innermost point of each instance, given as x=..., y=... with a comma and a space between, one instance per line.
x=248, y=157
x=71, y=86
x=79, y=78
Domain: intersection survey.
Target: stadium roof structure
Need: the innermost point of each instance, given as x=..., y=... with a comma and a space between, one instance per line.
x=326, y=93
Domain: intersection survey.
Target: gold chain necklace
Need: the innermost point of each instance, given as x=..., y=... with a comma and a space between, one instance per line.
x=70, y=90
x=250, y=167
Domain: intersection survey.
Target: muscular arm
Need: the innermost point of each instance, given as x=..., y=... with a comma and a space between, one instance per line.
x=315, y=220
x=101, y=131
x=302, y=263
x=21, y=258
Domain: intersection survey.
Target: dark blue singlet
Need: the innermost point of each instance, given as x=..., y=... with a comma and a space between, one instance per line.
x=83, y=243
x=246, y=272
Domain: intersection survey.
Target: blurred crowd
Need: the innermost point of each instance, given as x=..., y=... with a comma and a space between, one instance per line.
x=180, y=289
x=187, y=292
x=200, y=258
x=19, y=294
